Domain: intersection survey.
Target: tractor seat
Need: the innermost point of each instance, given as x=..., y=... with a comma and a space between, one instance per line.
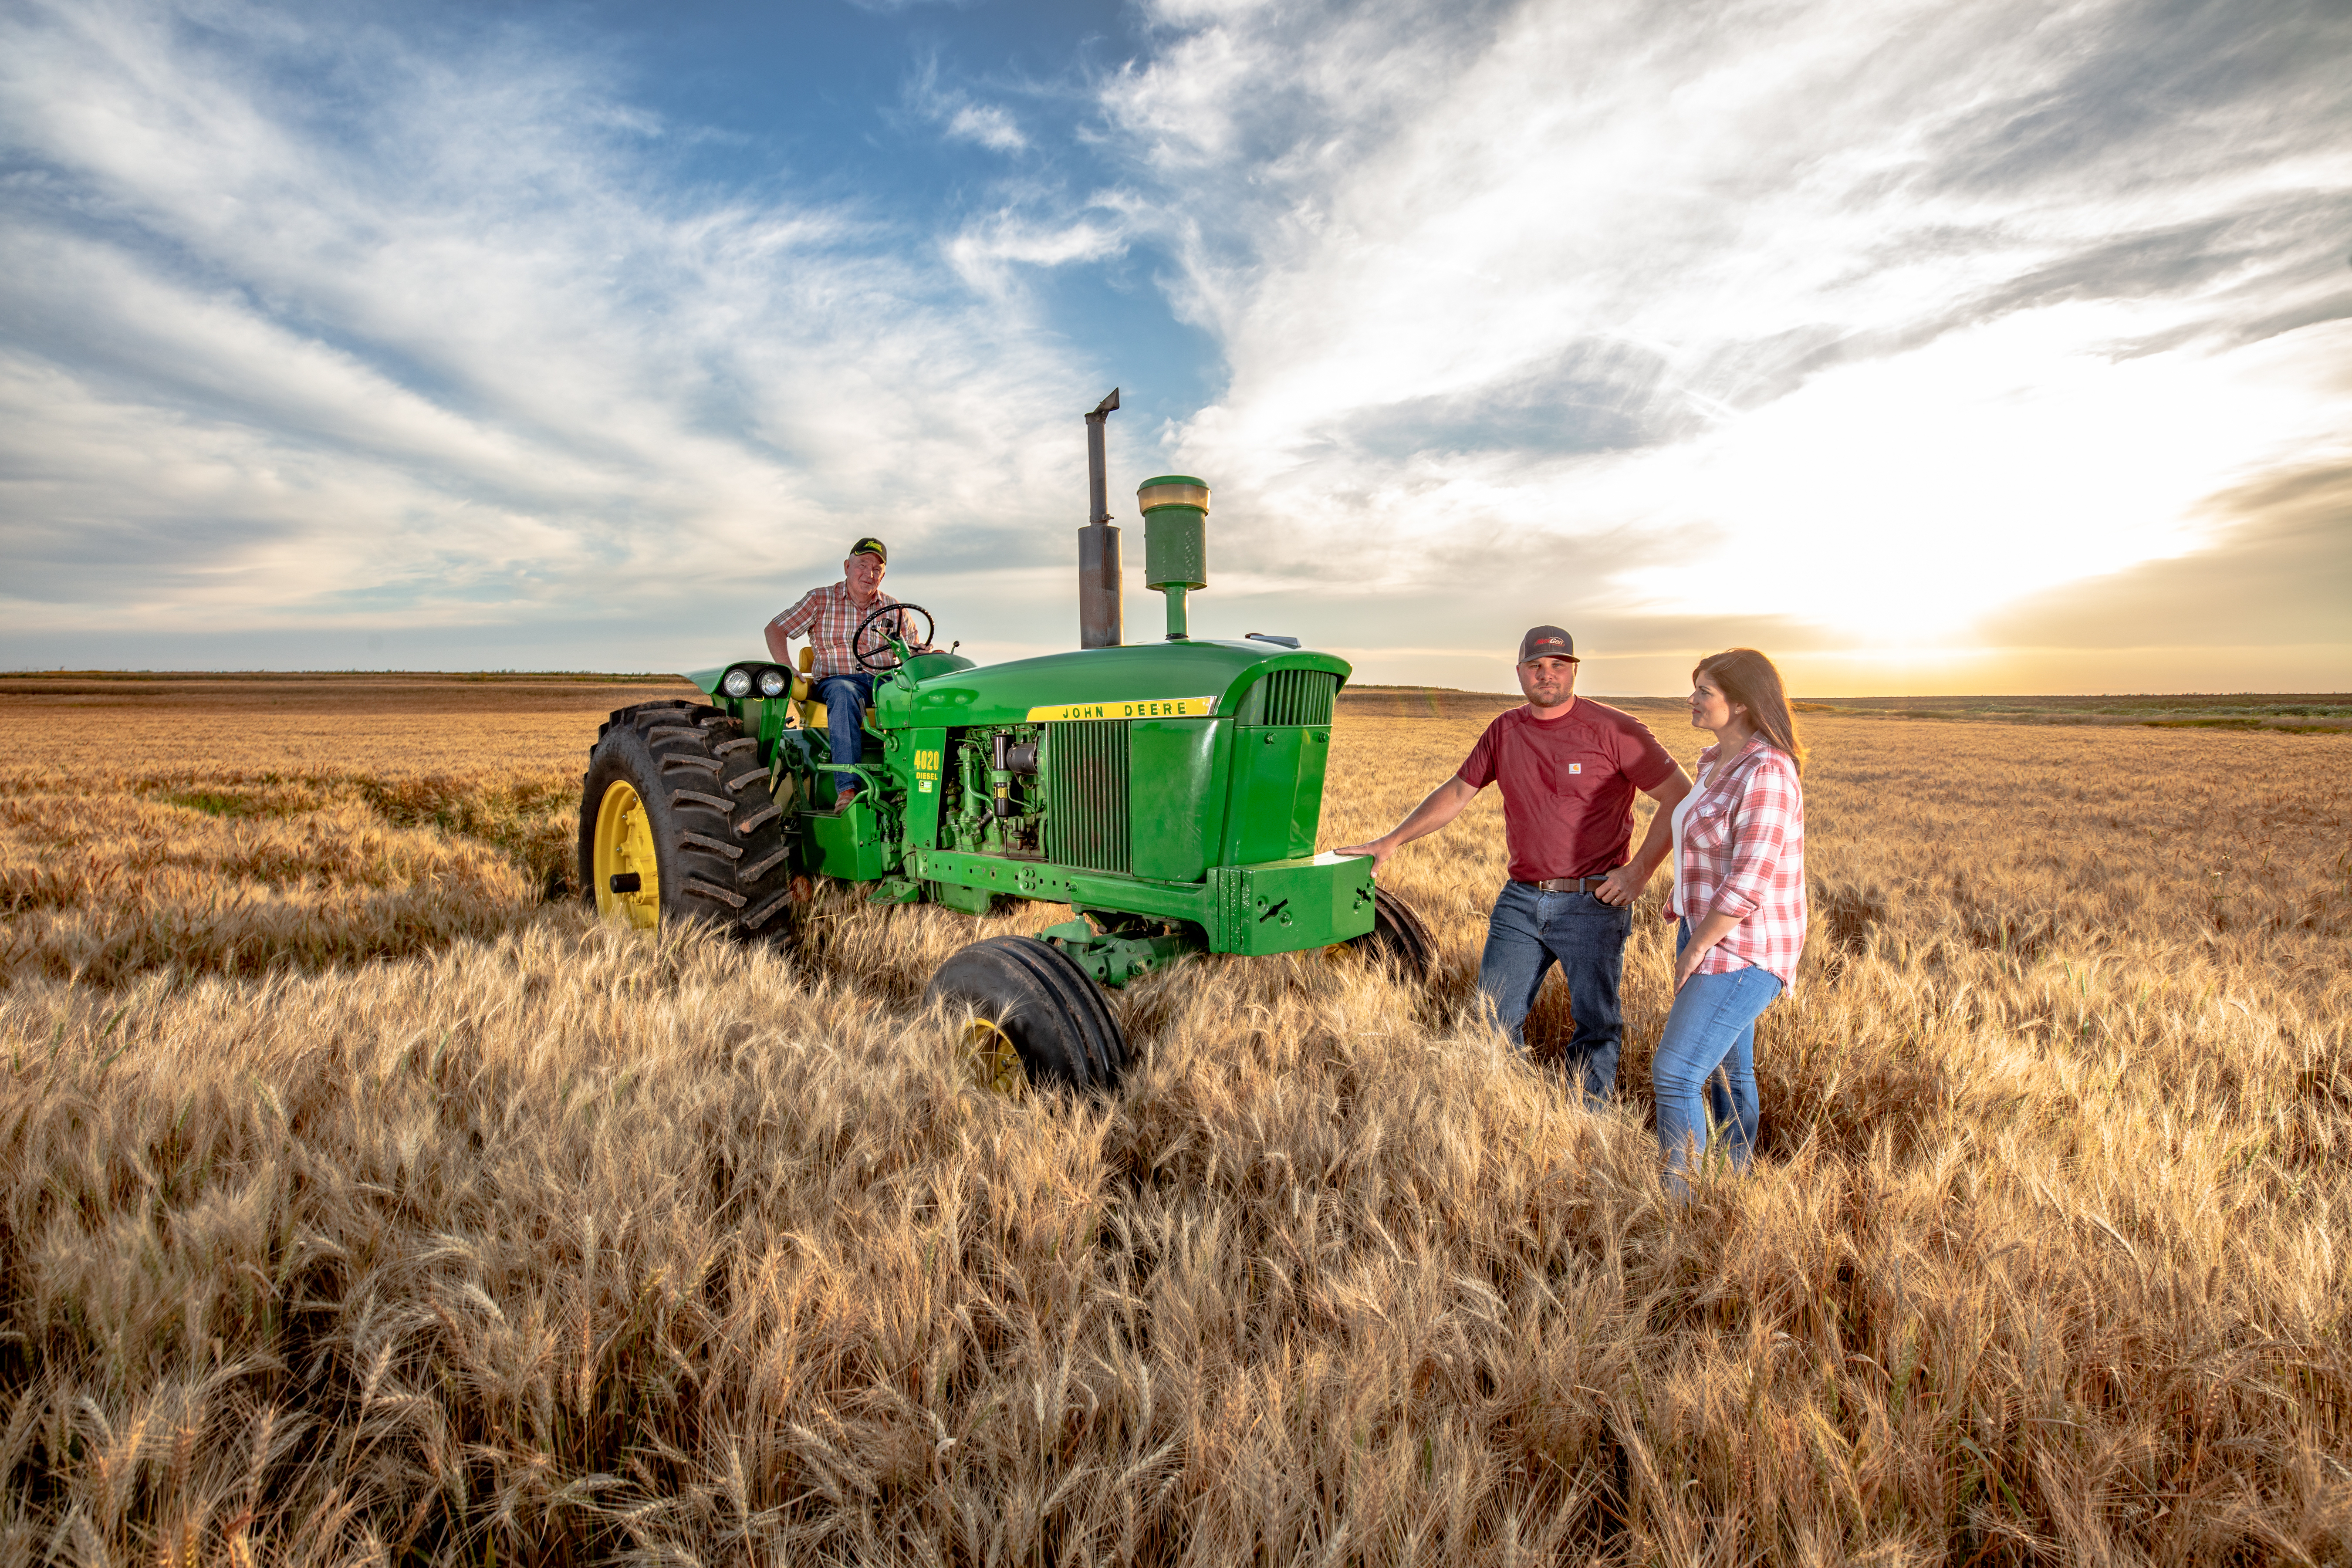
x=810, y=710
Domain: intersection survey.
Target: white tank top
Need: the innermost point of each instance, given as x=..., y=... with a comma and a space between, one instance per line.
x=1682, y=811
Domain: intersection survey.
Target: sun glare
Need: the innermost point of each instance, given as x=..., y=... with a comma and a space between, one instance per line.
x=1898, y=500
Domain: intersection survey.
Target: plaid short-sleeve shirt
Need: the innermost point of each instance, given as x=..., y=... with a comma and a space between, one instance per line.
x=828, y=616
x=1742, y=853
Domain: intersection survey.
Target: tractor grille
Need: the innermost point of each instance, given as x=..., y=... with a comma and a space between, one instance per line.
x=1295, y=696
x=1086, y=805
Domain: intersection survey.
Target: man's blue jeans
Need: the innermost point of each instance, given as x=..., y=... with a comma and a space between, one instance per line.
x=1713, y=1026
x=845, y=698
x=1526, y=934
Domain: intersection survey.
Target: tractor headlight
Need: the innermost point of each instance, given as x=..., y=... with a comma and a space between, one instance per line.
x=738, y=683
x=772, y=683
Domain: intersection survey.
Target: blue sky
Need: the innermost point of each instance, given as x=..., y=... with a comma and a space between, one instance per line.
x=1992, y=348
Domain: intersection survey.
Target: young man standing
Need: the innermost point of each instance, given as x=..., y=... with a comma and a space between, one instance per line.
x=1568, y=768
x=828, y=616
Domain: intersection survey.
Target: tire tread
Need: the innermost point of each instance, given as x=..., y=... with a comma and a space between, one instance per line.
x=703, y=877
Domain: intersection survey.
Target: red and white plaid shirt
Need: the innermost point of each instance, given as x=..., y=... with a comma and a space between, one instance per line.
x=1742, y=854
x=828, y=616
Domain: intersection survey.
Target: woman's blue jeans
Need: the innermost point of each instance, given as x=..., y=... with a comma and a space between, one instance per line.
x=1706, y=1065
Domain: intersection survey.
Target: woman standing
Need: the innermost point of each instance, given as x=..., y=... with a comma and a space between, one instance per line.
x=1739, y=894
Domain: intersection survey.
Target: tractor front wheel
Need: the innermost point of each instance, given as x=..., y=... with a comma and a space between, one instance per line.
x=1034, y=1014
x=1398, y=939
x=676, y=824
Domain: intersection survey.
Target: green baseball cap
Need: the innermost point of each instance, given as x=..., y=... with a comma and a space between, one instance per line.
x=871, y=546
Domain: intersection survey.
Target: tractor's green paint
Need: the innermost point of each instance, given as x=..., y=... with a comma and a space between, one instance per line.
x=851, y=844
x=928, y=789
x=1116, y=677
x=1188, y=759
x=1175, y=532
x=1282, y=906
x=1278, y=793
x=1170, y=793
x=1113, y=957
x=1175, y=541
x=972, y=900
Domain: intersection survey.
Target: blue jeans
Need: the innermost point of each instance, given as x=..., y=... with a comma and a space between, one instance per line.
x=845, y=698
x=1526, y=934
x=1712, y=1026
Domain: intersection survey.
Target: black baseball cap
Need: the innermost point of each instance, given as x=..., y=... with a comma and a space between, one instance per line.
x=1547, y=642
x=869, y=545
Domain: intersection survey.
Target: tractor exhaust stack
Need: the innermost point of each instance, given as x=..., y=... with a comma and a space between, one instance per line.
x=1099, y=615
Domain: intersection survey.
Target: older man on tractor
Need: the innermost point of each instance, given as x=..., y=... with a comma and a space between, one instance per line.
x=829, y=617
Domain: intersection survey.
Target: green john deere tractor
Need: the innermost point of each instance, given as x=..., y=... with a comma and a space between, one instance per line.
x=1167, y=791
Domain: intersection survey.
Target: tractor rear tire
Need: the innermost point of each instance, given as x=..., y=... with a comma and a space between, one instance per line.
x=676, y=824
x=1398, y=939
x=1028, y=996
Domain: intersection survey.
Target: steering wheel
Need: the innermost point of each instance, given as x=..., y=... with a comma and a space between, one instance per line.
x=870, y=658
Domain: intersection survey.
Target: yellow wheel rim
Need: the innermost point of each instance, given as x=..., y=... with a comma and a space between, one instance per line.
x=995, y=1059
x=625, y=845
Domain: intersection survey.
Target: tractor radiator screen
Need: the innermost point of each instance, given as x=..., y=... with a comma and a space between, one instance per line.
x=1086, y=797
x=1293, y=696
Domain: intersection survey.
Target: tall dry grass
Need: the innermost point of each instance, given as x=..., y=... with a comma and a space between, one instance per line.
x=238, y=824
x=564, y=1245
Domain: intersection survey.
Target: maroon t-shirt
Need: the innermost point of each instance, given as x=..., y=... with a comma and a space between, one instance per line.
x=1568, y=786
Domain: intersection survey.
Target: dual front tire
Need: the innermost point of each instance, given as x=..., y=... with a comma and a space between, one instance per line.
x=1035, y=1015
x=1399, y=939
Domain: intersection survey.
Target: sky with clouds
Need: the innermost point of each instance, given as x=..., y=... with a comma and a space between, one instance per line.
x=2001, y=347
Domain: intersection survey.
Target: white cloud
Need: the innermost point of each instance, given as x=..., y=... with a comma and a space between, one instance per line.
x=1677, y=318
x=953, y=110
x=1881, y=314
x=981, y=252
x=446, y=350
x=990, y=126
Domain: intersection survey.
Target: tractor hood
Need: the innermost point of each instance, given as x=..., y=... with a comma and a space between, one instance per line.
x=1151, y=680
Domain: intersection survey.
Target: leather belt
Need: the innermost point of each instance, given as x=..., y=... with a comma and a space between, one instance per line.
x=1566, y=884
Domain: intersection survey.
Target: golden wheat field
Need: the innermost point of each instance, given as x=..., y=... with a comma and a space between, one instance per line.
x=362, y=1201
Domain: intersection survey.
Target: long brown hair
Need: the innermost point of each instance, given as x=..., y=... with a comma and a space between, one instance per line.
x=1747, y=679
